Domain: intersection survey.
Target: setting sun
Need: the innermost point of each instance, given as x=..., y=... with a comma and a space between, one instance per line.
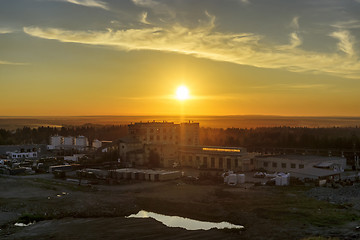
x=182, y=93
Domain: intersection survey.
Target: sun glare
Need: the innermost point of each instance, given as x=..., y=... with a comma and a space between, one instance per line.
x=182, y=93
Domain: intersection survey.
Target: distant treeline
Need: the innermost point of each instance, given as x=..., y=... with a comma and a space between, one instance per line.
x=42, y=135
x=282, y=137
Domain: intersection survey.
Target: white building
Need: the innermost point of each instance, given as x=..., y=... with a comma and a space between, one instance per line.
x=22, y=155
x=56, y=141
x=81, y=141
x=69, y=141
x=302, y=166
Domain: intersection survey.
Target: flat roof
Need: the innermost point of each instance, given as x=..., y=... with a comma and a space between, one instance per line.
x=304, y=157
x=314, y=172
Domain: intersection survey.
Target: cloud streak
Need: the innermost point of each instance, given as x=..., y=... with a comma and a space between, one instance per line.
x=6, y=30
x=11, y=63
x=205, y=42
x=89, y=3
x=346, y=41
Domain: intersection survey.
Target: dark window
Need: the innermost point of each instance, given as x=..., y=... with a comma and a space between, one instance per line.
x=301, y=165
x=266, y=164
x=283, y=165
x=274, y=164
x=190, y=159
x=228, y=163
x=205, y=161
x=213, y=162
x=293, y=165
x=221, y=163
x=236, y=163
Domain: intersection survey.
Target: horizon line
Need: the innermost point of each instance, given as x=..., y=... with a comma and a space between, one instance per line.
x=165, y=115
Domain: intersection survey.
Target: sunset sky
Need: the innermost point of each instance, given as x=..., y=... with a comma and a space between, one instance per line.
x=127, y=57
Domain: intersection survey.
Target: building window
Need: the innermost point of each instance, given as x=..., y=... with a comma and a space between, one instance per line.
x=301, y=165
x=266, y=164
x=283, y=165
x=274, y=164
x=236, y=163
x=190, y=159
x=205, y=161
x=158, y=137
x=151, y=137
x=221, y=165
x=228, y=163
x=293, y=165
x=212, y=162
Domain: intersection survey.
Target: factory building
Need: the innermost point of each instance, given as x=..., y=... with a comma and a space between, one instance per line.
x=221, y=158
x=67, y=143
x=178, y=144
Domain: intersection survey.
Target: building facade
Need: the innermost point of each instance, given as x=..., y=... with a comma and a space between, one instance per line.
x=178, y=144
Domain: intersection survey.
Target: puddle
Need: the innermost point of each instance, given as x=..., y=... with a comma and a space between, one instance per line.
x=23, y=224
x=186, y=223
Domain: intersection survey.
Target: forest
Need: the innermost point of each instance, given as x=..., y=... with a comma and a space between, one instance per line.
x=281, y=137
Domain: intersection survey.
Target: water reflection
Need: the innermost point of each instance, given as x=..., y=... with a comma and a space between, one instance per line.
x=187, y=223
x=23, y=224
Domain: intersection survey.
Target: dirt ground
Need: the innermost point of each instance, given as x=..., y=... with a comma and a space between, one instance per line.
x=65, y=210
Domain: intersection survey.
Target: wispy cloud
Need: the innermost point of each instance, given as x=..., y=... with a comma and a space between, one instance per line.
x=205, y=42
x=295, y=23
x=155, y=6
x=245, y=1
x=11, y=63
x=350, y=24
x=346, y=41
x=6, y=30
x=294, y=37
x=89, y=3
x=143, y=18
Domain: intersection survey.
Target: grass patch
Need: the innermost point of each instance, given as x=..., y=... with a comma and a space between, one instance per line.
x=27, y=218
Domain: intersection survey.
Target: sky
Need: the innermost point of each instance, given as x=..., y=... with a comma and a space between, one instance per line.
x=236, y=57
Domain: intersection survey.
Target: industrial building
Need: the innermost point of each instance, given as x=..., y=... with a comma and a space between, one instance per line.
x=302, y=166
x=209, y=157
x=67, y=143
x=178, y=144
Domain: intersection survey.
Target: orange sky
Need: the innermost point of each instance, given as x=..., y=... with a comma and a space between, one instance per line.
x=128, y=58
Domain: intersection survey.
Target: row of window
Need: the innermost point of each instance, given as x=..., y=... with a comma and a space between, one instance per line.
x=211, y=164
x=164, y=130
x=157, y=137
x=283, y=165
